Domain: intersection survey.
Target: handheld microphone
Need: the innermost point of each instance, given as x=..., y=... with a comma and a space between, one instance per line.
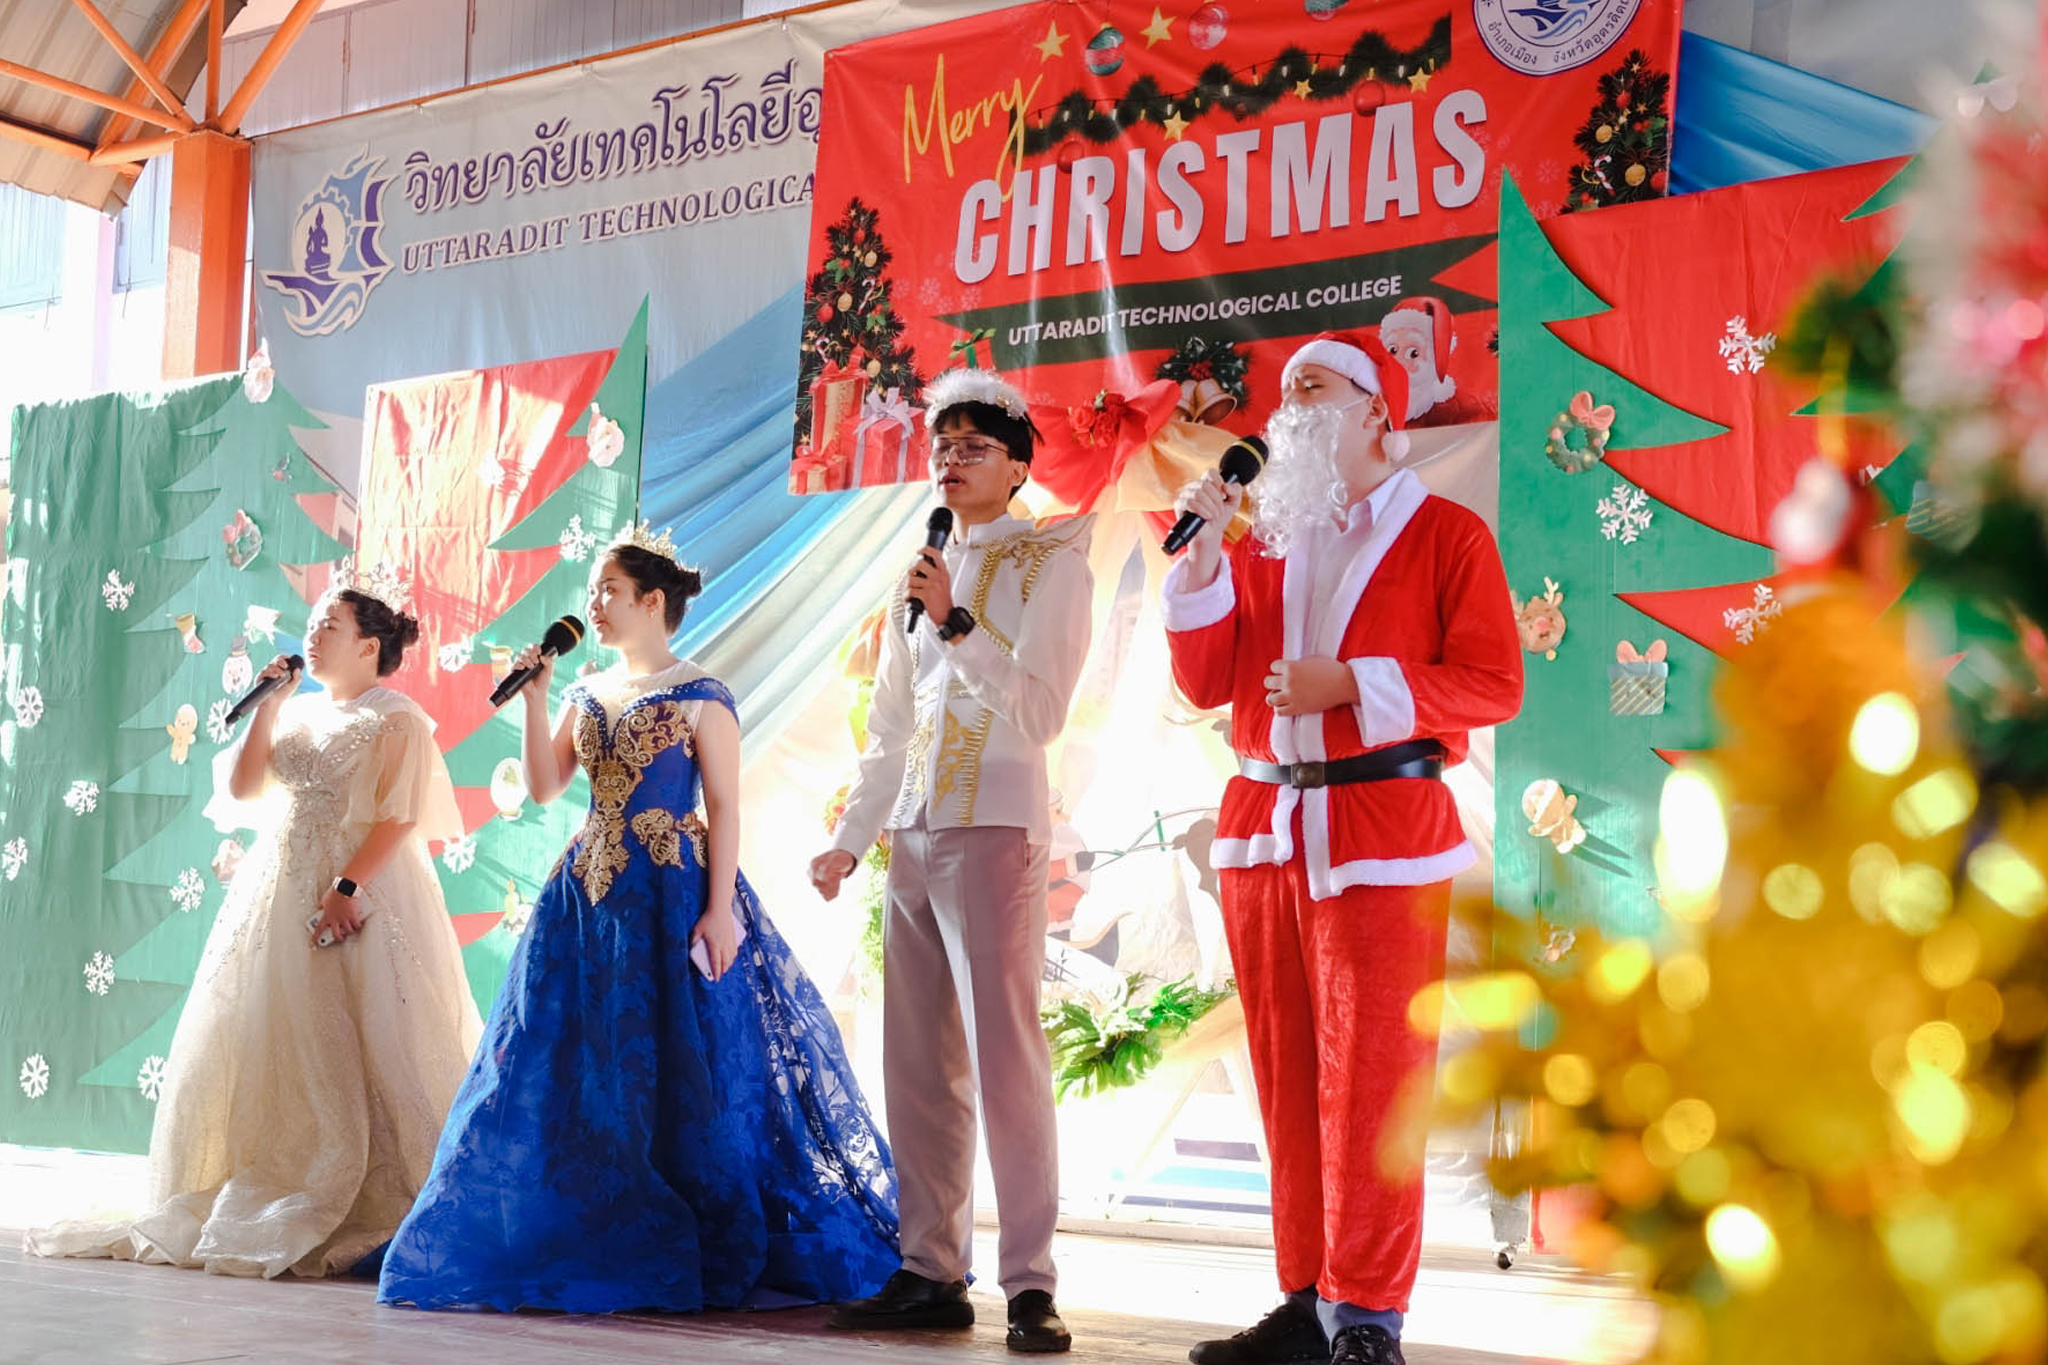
x=256, y=694
x=1240, y=465
x=937, y=529
x=563, y=636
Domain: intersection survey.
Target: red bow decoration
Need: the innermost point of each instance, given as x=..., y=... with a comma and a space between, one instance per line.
x=1591, y=418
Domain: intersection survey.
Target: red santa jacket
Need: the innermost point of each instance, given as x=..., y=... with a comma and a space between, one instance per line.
x=1424, y=621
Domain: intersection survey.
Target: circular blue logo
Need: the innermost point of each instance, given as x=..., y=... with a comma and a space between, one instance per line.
x=1544, y=37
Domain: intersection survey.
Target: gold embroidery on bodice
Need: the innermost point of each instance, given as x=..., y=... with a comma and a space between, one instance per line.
x=643, y=734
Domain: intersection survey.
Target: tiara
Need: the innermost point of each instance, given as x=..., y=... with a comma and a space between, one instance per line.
x=381, y=581
x=954, y=387
x=642, y=535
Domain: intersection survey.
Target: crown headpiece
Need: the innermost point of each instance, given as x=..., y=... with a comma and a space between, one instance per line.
x=381, y=581
x=954, y=387
x=642, y=535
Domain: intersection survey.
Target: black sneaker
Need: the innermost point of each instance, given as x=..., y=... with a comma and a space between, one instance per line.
x=1288, y=1334
x=1366, y=1346
x=907, y=1300
x=1035, y=1326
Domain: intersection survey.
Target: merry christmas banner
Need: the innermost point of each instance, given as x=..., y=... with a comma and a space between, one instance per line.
x=1102, y=196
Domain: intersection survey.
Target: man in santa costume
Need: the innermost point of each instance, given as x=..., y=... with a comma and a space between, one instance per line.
x=1357, y=634
x=1419, y=333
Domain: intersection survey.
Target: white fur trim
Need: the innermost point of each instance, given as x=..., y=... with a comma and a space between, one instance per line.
x=953, y=387
x=1349, y=361
x=1386, y=708
x=1183, y=610
x=1394, y=445
x=1423, y=871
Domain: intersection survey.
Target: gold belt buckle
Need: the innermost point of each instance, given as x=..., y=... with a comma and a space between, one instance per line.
x=1305, y=774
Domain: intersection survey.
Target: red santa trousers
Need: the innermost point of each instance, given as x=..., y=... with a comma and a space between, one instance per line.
x=1326, y=986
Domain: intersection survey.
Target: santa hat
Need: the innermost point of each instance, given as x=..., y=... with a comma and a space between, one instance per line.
x=1426, y=321
x=1361, y=358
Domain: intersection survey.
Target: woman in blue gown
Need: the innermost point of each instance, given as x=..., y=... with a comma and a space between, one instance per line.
x=638, y=1132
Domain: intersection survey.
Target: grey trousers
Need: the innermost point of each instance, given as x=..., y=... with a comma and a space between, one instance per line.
x=963, y=953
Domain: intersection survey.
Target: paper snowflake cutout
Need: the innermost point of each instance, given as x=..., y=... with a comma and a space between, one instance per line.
x=260, y=623
x=1762, y=610
x=99, y=973
x=82, y=797
x=116, y=593
x=28, y=706
x=577, y=543
x=189, y=890
x=35, y=1076
x=13, y=858
x=1624, y=514
x=456, y=654
x=1741, y=350
x=604, y=440
x=459, y=855
x=217, y=728
x=150, y=1080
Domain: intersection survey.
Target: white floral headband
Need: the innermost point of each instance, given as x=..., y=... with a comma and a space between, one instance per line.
x=954, y=387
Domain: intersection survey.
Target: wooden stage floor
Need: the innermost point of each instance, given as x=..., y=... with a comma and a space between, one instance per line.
x=1127, y=1298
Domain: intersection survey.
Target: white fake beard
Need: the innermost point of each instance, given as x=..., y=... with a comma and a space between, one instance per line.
x=1300, y=484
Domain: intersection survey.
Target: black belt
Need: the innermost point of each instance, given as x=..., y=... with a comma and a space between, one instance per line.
x=1416, y=758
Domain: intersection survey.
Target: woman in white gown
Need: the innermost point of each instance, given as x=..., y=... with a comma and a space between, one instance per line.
x=306, y=1085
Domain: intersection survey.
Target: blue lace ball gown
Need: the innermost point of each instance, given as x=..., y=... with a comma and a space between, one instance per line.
x=630, y=1135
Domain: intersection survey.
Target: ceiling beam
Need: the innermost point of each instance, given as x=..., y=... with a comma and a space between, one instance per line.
x=288, y=33
x=45, y=139
x=162, y=58
x=136, y=150
x=216, y=25
x=161, y=119
x=171, y=103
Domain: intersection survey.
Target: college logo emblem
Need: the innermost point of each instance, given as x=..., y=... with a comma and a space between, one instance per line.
x=334, y=244
x=1544, y=37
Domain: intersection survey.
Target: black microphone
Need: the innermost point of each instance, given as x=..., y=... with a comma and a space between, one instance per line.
x=248, y=703
x=563, y=636
x=938, y=528
x=1240, y=465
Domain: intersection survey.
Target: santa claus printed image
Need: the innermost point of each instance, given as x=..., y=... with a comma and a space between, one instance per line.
x=1419, y=333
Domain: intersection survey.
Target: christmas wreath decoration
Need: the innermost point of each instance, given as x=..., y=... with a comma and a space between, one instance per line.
x=1578, y=436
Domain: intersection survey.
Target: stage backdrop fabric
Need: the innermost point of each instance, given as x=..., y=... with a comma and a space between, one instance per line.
x=1097, y=195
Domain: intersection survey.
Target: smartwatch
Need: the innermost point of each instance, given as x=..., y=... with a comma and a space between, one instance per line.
x=346, y=887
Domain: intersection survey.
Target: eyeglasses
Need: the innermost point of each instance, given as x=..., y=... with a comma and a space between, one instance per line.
x=965, y=451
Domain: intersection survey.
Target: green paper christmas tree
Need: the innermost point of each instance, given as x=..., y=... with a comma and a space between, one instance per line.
x=117, y=533
x=1567, y=732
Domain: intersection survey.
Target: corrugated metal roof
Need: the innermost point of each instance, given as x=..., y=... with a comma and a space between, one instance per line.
x=52, y=37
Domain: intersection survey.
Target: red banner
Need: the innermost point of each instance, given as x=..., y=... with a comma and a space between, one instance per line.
x=1094, y=197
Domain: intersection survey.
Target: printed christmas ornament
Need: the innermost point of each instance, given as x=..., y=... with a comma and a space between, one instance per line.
x=237, y=671
x=242, y=538
x=1208, y=26
x=1070, y=151
x=1548, y=809
x=1323, y=10
x=1539, y=622
x=1578, y=436
x=508, y=788
x=1105, y=52
x=1367, y=98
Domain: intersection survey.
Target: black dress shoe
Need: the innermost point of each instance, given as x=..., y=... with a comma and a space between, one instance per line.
x=907, y=1300
x=1366, y=1346
x=1035, y=1326
x=1288, y=1334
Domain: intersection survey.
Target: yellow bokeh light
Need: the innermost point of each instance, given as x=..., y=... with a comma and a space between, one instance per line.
x=1872, y=870
x=1935, y=804
x=1794, y=890
x=1922, y=1243
x=1935, y=1114
x=1743, y=1246
x=1569, y=1079
x=1938, y=1046
x=1645, y=1089
x=1977, y=1009
x=1692, y=843
x=1682, y=982
x=1702, y=1179
x=1885, y=736
x=1688, y=1125
x=1916, y=899
x=1993, y=1318
x=1468, y=1077
x=1617, y=972
x=1492, y=1002
x=1950, y=955
x=2005, y=875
